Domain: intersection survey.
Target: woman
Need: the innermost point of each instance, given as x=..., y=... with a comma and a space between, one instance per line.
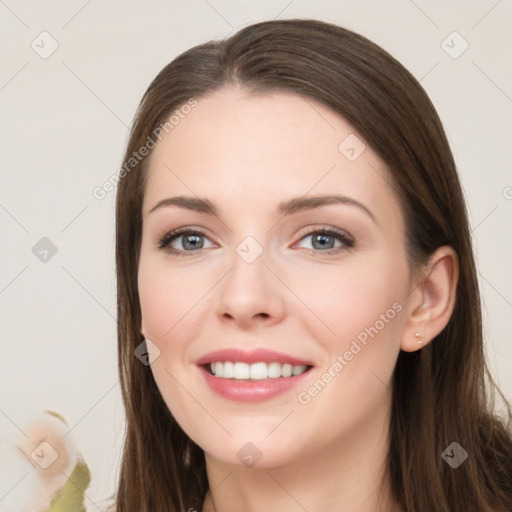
x=297, y=284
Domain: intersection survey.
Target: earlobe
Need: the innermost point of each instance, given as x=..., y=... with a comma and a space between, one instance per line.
x=432, y=300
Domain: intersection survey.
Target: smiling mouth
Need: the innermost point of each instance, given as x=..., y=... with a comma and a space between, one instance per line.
x=254, y=371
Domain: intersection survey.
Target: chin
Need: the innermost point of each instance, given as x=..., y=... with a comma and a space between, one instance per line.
x=258, y=453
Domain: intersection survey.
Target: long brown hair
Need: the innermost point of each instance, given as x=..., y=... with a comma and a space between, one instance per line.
x=442, y=393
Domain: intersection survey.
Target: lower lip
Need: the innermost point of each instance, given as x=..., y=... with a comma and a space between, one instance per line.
x=251, y=390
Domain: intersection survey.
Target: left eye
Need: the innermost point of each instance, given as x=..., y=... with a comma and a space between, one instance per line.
x=324, y=240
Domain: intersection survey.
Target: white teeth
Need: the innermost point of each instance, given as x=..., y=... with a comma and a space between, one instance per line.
x=287, y=370
x=218, y=369
x=297, y=370
x=241, y=370
x=255, y=371
x=274, y=370
x=259, y=371
x=228, y=371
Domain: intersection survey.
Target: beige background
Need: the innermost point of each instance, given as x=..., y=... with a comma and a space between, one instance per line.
x=64, y=124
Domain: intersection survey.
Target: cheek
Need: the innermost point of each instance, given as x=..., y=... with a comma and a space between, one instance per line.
x=156, y=305
x=345, y=302
x=365, y=311
x=362, y=311
x=171, y=299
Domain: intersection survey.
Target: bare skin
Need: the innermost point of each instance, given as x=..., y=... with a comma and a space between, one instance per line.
x=247, y=154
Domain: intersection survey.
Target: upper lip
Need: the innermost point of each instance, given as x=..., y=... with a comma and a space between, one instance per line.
x=252, y=356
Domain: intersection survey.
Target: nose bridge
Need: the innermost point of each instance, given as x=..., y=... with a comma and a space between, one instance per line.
x=247, y=277
x=249, y=288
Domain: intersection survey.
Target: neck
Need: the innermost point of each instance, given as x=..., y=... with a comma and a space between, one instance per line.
x=349, y=475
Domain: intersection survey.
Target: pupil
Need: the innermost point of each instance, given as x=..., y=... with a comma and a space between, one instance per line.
x=192, y=246
x=323, y=237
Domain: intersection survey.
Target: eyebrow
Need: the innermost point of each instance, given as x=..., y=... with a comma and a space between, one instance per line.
x=289, y=207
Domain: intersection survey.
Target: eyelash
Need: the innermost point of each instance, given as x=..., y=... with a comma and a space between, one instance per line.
x=347, y=241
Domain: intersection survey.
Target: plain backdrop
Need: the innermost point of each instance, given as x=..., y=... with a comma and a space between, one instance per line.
x=64, y=125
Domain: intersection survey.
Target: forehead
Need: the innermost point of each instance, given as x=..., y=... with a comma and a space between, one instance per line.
x=248, y=151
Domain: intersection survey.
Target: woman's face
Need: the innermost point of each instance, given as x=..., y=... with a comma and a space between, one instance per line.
x=261, y=276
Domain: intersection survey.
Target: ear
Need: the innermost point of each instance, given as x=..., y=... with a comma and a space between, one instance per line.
x=432, y=299
x=142, y=330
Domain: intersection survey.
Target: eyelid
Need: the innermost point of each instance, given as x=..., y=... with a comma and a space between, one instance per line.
x=321, y=228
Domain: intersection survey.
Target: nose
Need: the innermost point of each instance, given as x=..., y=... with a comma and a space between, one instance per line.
x=250, y=294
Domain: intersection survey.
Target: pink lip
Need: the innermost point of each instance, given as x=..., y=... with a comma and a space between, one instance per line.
x=255, y=356
x=250, y=390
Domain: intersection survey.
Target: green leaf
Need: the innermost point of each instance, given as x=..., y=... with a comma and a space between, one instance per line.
x=71, y=496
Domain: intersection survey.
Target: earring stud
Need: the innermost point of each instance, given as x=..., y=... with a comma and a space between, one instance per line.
x=419, y=337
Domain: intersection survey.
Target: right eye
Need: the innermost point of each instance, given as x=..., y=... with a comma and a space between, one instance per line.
x=192, y=240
